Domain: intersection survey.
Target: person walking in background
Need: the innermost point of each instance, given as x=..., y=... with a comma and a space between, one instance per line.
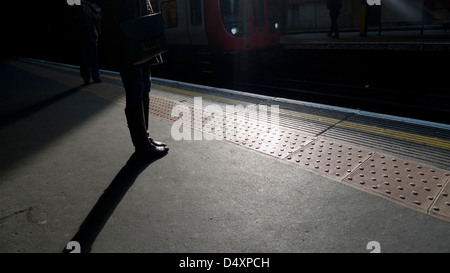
x=335, y=8
x=87, y=19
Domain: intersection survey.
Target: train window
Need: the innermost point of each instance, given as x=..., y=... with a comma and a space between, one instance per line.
x=196, y=12
x=169, y=13
x=258, y=13
x=234, y=16
x=272, y=13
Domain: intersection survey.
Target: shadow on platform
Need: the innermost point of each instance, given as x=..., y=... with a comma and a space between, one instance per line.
x=107, y=203
x=20, y=114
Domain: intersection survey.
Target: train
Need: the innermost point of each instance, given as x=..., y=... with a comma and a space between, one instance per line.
x=205, y=36
x=220, y=36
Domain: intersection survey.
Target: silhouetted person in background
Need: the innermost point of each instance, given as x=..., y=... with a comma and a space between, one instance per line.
x=335, y=8
x=87, y=19
x=363, y=19
x=137, y=83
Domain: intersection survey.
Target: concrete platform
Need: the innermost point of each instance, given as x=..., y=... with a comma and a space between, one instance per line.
x=67, y=160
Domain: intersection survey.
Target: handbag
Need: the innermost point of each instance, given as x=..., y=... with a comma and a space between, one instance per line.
x=143, y=39
x=158, y=59
x=133, y=42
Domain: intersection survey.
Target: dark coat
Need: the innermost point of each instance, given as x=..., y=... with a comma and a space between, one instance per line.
x=334, y=5
x=114, y=13
x=87, y=17
x=124, y=10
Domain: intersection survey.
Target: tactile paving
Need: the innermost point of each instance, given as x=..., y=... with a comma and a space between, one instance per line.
x=162, y=108
x=107, y=91
x=277, y=142
x=417, y=186
x=441, y=208
x=239, y=129
x=412, y=184
x=331, y=159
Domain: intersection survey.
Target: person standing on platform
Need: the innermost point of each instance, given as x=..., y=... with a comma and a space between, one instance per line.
x=363, y=19
x=87, y=19
x=137, y=83
x=335, y=8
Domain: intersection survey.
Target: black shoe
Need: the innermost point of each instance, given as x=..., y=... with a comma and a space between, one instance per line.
x=151, y=151
x=97, y=80
x=146, y=109
x=87, y=82
x=157, y=143
x=136, y=124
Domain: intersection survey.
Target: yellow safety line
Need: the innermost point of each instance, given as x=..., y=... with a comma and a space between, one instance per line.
x=430, y=141
x=52, y=65
x=322, y=119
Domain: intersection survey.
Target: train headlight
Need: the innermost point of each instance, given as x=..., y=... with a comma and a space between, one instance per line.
x=234, y=30
x=276, y=25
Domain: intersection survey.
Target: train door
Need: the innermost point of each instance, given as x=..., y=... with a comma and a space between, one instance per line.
x=185, y=22
x=264, y=23
x=174, y=14
x=196, y=22
x=185, y=33
x=197, y=35
x=258, y=21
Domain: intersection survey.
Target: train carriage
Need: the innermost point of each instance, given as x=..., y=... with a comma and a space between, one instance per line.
x=214, y=35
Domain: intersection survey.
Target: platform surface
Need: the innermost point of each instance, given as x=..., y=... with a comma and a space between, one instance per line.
x=67, y=160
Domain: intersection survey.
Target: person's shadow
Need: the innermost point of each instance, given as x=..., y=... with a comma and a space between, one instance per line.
x=106, y=204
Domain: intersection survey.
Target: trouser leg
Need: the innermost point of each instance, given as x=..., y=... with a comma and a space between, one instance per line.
x=134, y=112
x=147, y=83
x=334, y=24
x=137, y=116
x=84, y=66
x=136, y=126
x=93, y=61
